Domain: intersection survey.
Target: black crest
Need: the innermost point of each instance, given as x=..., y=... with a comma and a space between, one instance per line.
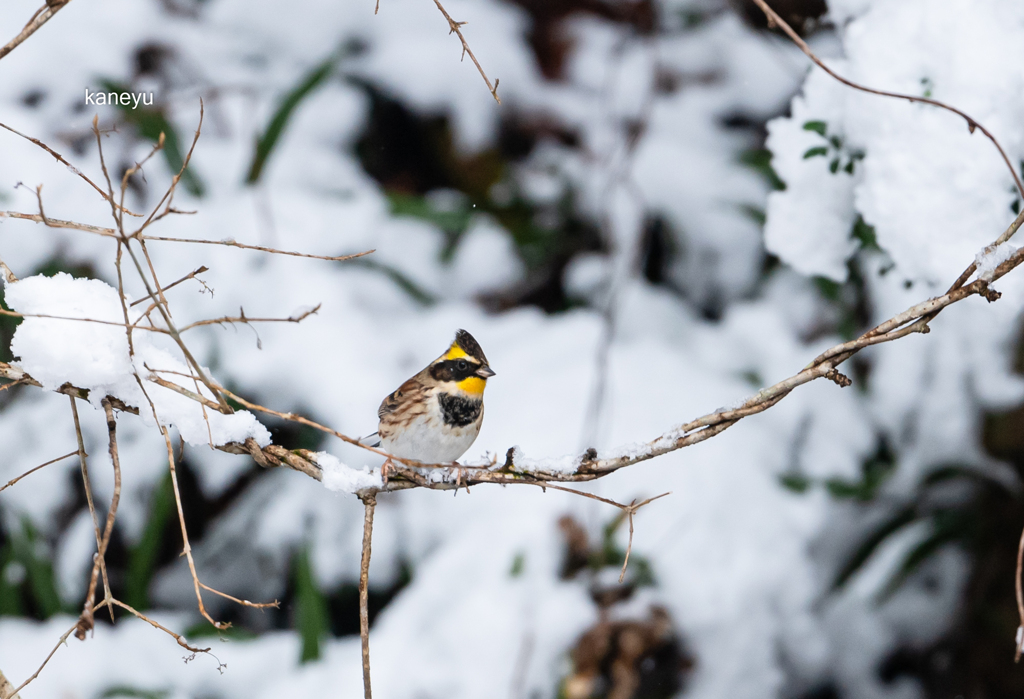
x=470, y=346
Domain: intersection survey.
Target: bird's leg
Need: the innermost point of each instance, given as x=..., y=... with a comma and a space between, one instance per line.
x=460, y=476
x=385, y=470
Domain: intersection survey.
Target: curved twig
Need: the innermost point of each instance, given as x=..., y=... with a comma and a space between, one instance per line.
x=775, y=20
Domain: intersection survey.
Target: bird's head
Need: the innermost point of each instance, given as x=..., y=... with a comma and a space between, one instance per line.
x=463, y=365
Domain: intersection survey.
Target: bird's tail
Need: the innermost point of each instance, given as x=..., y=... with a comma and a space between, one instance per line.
x=371, y=440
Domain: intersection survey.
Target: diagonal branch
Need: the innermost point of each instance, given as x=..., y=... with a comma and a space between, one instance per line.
x=41, y=17
x=456, y=28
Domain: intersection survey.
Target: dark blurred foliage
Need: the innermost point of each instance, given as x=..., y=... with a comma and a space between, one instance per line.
x=966, y=507
x=802, y=15
x=413, y=155
x=621, y=658
x=974, y=658
x=551, y=42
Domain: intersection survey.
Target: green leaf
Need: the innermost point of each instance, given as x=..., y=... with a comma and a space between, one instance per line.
x=833, y=167
x=760, y=159
x=453, y=222
x=518, y=565
x=11, y=603
x=40, y=578
x=816, y=151
x=828, y=288
x=796, y=482
x=818, y=127
x=142, y=558
x=311, y=615
x=944, y=474
x=915, y=557
x=864, y=234
x=150, y=123
x=268, y=140
x=127, y=691
x=897, y=521
x=406, y=284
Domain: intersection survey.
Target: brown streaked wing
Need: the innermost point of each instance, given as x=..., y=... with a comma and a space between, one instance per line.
x=408, y=391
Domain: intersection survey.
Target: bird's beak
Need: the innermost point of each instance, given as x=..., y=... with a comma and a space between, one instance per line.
x=485, y=372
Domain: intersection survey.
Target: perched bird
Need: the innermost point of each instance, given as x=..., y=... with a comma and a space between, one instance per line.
x=436, y=415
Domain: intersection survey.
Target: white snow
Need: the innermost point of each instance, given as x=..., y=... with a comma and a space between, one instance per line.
x=93, y=354
x=991, y=257
x=345, y=479
x=559, y=464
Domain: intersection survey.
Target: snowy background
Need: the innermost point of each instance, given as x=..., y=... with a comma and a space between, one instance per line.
x=668, y=175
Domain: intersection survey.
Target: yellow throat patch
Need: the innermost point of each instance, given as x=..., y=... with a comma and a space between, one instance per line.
x=473, y=385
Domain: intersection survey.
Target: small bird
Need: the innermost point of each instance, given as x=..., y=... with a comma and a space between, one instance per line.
x=436, y=415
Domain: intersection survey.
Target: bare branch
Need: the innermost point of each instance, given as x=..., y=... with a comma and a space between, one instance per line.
x=369, y=503
x=1020, y=599
x=187, y=547
x=61, y=642
x=244, y=602
x=41, y=17
x=31, y=471
x=455, y=28
x=245, y=319
x=85, y=623
x=72, y=168
x=243, y=246
x=190, y=275
x=177, y=637
x=177, y=388
x=112, y=233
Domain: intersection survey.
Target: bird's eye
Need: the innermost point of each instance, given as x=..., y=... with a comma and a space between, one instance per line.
x=462, y=365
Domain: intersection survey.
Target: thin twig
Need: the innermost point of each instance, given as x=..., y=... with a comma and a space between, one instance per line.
x=115, y=459
x=369, y=503
x=15, y=314
x=177, y=637
x=186, y=546
x=455, y=27
x=190, y=275
x=775, y=20
x=31, y=471
x=243, y=246
x=98, y=561
x=112, y=233
x=61, y=642
x=630, y=511
x=60, y=159
x=244, y=602
x=245, y=319
x=177, y=388
x=41, y=17
x=1020, y=599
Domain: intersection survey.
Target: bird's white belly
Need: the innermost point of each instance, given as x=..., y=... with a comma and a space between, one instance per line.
x=429, y=440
